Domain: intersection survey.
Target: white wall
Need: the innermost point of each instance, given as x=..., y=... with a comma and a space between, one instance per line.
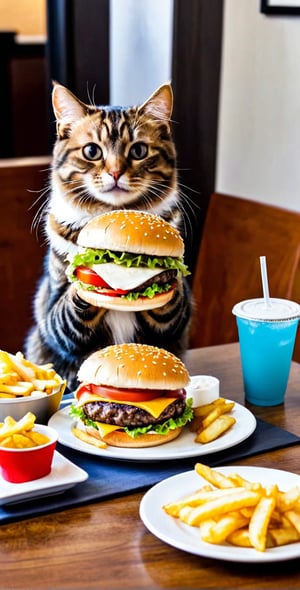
x=140, y=48
x=259, y=118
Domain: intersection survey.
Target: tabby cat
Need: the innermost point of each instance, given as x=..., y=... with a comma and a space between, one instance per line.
x=104, y=158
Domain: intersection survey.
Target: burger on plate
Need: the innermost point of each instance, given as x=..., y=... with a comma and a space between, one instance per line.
x=127, y=260
x=131, y=395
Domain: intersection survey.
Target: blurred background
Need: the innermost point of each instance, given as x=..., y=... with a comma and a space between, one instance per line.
x=235, y=72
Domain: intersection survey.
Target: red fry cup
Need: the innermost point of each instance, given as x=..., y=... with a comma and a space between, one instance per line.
x=21, y=465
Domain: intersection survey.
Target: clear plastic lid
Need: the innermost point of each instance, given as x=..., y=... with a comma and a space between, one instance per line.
x=256, y=309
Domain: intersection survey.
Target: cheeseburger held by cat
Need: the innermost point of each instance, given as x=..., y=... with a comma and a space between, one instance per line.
x=127, y=260
x=131, y=395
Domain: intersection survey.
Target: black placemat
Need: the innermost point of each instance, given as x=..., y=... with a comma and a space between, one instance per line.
x=109, y=478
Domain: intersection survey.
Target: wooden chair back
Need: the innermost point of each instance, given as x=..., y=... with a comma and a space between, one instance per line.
x=22, y=250
x=236, y=233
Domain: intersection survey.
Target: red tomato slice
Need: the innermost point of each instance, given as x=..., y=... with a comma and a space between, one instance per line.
x=89, y=276
x=130, y=395
x=113, y=292
x=178, y=393
x=81, y=390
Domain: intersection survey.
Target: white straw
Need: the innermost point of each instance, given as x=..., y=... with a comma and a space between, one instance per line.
x=264, y=278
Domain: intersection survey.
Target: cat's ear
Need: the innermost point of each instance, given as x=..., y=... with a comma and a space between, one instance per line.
x=67, y=108
x=160, y=103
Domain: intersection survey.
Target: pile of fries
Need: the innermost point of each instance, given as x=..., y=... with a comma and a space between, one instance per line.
x=20, y=377
x=20, y=434
x=243, y=513
x=211, y=420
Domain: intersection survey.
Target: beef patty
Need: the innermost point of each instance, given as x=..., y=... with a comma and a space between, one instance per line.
x=166, y=276
x=126, y=415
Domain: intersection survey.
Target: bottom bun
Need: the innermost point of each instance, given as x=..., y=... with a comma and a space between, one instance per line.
x=122, y=304
x=119, y=438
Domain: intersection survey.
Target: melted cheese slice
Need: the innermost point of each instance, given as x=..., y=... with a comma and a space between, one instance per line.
x=121, y=277
x=155, y=406
x=105, y=429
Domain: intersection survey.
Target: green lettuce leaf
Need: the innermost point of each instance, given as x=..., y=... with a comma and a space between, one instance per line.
x=90, y=257
x=165, y=427
x=150, y=292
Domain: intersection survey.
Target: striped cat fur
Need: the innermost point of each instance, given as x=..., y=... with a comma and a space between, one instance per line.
x=104, y=158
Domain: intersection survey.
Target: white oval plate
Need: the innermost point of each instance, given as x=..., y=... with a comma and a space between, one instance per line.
x=182, y=447
x=182, y=536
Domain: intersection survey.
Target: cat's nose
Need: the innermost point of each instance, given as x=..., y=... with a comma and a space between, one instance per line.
x=115, y=174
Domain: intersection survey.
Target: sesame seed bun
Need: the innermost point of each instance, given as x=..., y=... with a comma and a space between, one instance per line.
x=134, y=365
x=132, y=231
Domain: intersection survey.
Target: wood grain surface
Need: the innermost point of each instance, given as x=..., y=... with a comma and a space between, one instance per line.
x=105, y=544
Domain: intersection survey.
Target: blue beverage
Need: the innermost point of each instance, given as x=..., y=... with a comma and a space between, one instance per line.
x=266, y=353
x=266, y=348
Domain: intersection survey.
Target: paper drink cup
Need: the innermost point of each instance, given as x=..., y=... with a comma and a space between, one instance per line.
x=267, y=336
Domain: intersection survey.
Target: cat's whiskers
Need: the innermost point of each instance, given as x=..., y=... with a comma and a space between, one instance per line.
x=160, y=190
x=146, y=189
x=185, y=204
x=186, y=221
x=80, y=187
x=42, y=209
x=91, y=97
x=188, y=202
x=145, y=193
x=162, y=205
x=161, y=195
x=42, y=192
x=39, y=218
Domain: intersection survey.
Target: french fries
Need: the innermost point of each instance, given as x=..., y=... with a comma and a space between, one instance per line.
x=211, y=420
x=234, y=510
x=88, y=438
x=20, y=434
x=20, y=377
x=215, y=429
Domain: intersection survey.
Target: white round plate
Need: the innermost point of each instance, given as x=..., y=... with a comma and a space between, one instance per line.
x=182, y=447
x=182, y=536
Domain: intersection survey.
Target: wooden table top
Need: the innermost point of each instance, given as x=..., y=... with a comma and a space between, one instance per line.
x=106, y=545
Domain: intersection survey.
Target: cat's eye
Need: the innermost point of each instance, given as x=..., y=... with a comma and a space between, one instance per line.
x=92, y=151
x=138, y=150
